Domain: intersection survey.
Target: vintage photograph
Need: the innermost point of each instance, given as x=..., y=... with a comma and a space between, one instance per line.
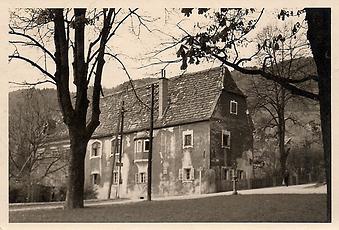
x=169, y=115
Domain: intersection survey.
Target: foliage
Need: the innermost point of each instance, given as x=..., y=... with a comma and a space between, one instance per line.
x=229, y=29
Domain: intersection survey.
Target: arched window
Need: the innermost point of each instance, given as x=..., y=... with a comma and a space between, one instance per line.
x=96, y=149
x=115, y=146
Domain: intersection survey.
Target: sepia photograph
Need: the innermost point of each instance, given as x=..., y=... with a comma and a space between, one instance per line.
x=169, y=115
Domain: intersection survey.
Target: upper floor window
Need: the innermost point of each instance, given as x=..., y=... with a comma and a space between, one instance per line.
x=138, y=146
x=226, y=139
x=142, y=147
x=96, y=149
x=188, y=138
x=146, y=145
x=233, y=107
x=115, y=146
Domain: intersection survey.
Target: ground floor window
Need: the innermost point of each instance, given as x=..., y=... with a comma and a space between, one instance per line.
x=115, y=177
x=186, y=174
x=141, y=178
x=95, y=179
x=241, y=174
x=225, y=173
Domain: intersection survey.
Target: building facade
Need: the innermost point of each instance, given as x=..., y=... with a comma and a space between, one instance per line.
x=202, y=131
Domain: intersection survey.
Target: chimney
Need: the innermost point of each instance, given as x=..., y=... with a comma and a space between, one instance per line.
x=163, y=93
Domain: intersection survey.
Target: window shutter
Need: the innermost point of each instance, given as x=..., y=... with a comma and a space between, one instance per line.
x=192, y=174
x=180, y=174
x=136, y=178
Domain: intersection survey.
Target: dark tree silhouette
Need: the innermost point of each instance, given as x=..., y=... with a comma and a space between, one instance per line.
x=67, y=31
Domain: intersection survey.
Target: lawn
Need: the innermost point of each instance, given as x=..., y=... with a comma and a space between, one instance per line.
x=241, y=208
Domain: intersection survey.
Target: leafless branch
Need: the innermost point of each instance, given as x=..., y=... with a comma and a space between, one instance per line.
x=34, y=65
x=130, y=79
x=25, y=83
x=35, y=42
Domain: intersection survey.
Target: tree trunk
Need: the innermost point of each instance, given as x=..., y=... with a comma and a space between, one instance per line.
x=319, y=36
x=76, y=171
x=283, y=156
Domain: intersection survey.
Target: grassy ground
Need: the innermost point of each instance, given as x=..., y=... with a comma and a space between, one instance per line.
x=252, y=208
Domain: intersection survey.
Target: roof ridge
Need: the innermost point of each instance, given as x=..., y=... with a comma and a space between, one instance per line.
x=157, y=82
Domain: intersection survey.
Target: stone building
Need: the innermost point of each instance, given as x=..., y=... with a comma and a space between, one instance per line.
x=201, y=131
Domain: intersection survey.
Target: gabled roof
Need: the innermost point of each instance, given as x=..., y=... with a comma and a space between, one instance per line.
x=192, y=98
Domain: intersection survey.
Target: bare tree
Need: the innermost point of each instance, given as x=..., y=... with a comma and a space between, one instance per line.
x=67, y=29
x=286, y=50
x=30, y=122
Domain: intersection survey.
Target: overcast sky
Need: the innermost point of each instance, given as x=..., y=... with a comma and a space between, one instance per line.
x=134, y=50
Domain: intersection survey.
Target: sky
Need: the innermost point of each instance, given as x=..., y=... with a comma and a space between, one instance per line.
x=135, y=50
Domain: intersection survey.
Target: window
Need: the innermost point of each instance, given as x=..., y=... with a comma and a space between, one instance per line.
x=233, y=107
x=225, y=173
x=186, y=174
x=226, y=139
x=138, y=147
x=141, y=178
x=95, y=178
x=241, y=174
x=146, y=146
x=115, y=146
x=142, y=147
x=96, y=149
x=115, y=177
x=188, y=138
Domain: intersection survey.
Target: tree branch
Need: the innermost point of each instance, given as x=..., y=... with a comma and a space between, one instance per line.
x=32, y=83
x=130, y=79
x=35, y=42
x=35, y=65
x=280, y=80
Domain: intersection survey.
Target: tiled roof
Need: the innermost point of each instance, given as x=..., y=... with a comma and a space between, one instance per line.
x=192, y=97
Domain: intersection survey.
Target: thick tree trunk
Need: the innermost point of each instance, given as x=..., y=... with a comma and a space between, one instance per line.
x=319, y=36
x=76, y=171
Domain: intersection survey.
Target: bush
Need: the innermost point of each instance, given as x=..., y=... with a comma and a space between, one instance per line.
x=90, y=193
x=17, y=193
